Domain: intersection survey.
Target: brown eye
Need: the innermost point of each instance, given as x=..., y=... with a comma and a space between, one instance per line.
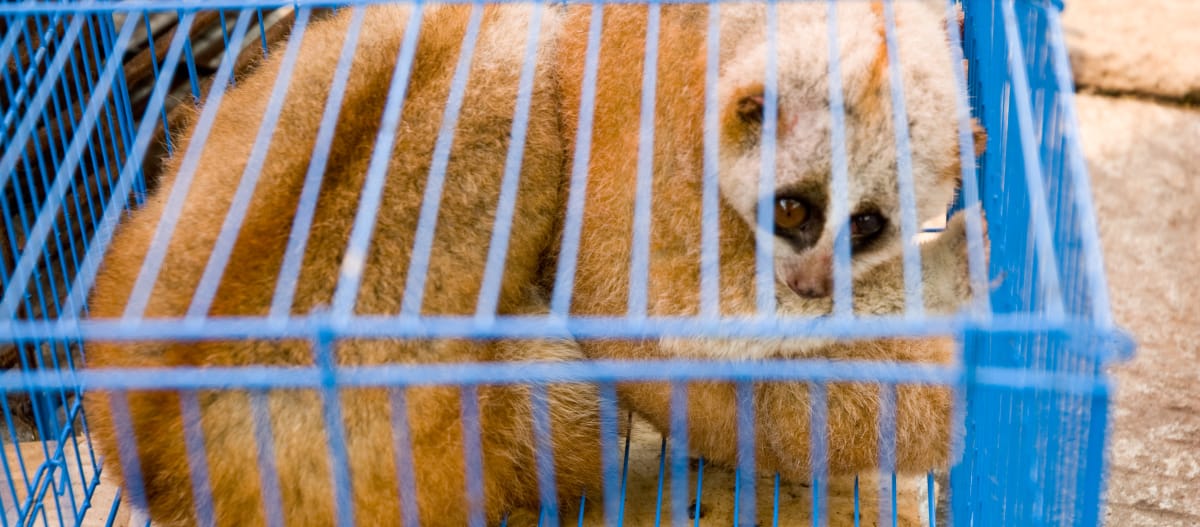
x=865, y=225
x=790, y=213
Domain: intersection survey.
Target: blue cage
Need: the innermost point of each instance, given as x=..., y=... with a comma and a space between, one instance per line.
x=94, y=91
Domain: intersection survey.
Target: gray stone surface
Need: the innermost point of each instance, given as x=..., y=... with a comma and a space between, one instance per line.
x=1144, y=47
x=1144, y=159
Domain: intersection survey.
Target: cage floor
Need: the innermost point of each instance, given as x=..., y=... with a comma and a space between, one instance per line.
x=33, y=456
x=645, y=504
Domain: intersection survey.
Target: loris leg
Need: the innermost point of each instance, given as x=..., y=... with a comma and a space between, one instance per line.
x=922, y=413
x=782, y=409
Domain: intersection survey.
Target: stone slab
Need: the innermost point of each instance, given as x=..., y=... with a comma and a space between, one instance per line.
x=1144, y=160
x=1145, y=47
x=61, y=490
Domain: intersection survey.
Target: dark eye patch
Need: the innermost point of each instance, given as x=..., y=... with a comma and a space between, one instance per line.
x=866, y=225
x=812, y=197
x=867, y=229
x=800, y=233
x=790, y=213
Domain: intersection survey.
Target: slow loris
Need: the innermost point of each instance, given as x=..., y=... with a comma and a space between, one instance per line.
x=804, y=228
x=458, y=256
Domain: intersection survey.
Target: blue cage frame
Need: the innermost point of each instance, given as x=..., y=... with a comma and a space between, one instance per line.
x=1032, y=383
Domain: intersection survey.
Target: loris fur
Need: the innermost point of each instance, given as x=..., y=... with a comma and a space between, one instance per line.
x=301, y=443
x=803, y=169
x=460, y=249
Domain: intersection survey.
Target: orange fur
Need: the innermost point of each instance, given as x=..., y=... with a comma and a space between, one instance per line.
x=458, y=255
x=603, y=276
x=472, y=189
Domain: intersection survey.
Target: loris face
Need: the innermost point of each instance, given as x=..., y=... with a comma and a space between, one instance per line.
x=805, y=226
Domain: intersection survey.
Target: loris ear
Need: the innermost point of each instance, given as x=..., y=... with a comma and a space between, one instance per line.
x=980, y=137
x=750, y=109
x=742, y=115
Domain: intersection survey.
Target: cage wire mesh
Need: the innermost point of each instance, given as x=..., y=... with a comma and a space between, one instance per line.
x=109, y=106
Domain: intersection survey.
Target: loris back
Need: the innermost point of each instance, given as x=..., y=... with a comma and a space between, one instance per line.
x=248, y=283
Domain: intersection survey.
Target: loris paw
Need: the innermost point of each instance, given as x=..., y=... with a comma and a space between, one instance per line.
x=947, y=259
x=954, y=239
x=957, y=228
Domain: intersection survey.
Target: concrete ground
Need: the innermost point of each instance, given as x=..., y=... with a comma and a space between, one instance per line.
x=1141, y=137
x=1149, y=209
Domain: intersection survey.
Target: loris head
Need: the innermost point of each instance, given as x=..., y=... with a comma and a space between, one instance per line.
x=805, y=228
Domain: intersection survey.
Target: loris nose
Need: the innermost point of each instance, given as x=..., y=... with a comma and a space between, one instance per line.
x=813, y=277
x=812, y=284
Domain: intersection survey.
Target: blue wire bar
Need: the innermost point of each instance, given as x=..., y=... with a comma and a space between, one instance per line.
x=489, y=292
x=747, y=498
x=887, y=455
x=679, y=454
x=207, y=289
x=130, y=463
x=564, y=277
x=547, y=488
x=710, y=213
x=402, y=446
x=914, y=304
x=335, y=429
x=152, y=263
x=764, y=242
x=197, y=460
x=414, y=286
x=473, y=454
x=839, y=197
x=360, y=237
x=639, y=265
x=662, y=474
x=267, y=462
x=613, y=469
x=819, y=456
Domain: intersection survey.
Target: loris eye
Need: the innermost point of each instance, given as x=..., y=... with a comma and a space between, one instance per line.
x=790, y=213
x=864, y=225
